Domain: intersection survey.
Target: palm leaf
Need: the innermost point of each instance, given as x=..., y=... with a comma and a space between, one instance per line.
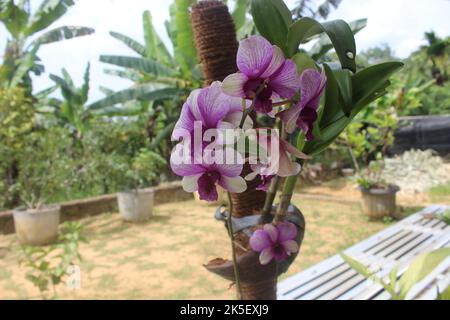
x=143, y=65
x=13, y=17
x=185, y=51
x=63, y=33
x=130, y=43
x=145, y=92
x=155, y=48
x=48, y=12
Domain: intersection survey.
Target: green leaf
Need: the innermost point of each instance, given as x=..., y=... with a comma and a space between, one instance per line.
x=13, y=17
x=338, y=31
x=239, y=13
x=48, y=12
x=143, y=92
x=323, y=45
x=63, y=33
x=344, y=81
x=185, y=51
x=358, y=266
x=26, y=64
x=143, y=65
x=85, y=88
x=130, y=43
x=421, y=267
x=331, y=106
x=370, y=82
x=155, y=47
x=303, y=62
x=271, y=21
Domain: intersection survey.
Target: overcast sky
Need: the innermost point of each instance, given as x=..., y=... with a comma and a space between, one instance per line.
x=400, y=23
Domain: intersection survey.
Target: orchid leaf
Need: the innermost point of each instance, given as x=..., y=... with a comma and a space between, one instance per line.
x=331, y=105
x=344, y=81
x=271, y=21
x=370, y=82
x=323, y=45
x=303, y=62
x=339, y=32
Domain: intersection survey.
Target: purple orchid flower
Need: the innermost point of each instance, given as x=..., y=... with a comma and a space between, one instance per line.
x=275, y=242
x=211, y=107
x=277, y=160
x=304, y=113
x=204, y=177
x=263, y=70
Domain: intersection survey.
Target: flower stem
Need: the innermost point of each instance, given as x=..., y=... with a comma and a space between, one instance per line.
x=270, y=197
x=281, y=103
x=233, y=248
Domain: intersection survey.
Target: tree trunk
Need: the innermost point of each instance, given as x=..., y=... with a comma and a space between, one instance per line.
x=215, y=39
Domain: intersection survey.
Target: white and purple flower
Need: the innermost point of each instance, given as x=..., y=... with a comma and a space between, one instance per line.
x=212, y=108
x=205, y=177
x=275, y=242
x=265, y=75
x=304, y=113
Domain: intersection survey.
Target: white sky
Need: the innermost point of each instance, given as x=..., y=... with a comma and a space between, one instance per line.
x=400, y=23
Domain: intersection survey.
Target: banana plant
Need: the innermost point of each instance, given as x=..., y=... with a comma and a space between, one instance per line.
x=161, y=79
x=20, y=57
x=72, y=111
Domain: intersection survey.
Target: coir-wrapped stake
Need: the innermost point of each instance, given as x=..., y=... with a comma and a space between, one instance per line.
x=215, y=39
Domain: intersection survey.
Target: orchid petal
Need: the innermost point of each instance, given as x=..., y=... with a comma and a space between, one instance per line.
x=312, y=86
x=190, y=183
x=287, y=231
x=275, y=64
x=286, y=81
x=233, y=184
x=212, y=105
x=272, y=231
x=260, y=240
x=233, y=85
x=290, y=246
x=185, y=169
x=266, y=256
x=185, y=122
x=293, y=150
x=254, y=56
x=289, y=117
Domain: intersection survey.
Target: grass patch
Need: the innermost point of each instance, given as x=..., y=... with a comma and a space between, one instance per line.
x=440, y=193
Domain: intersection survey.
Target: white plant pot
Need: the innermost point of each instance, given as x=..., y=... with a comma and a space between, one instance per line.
x=37, y=227
x=136, y=206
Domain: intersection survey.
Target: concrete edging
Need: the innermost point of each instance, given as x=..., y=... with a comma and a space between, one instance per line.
x=77, y=209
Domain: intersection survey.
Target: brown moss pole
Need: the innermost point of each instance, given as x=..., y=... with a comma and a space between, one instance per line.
x=215, y=39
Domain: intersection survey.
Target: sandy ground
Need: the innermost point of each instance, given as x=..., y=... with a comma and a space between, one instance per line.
x=163, y=258
x=345, y=188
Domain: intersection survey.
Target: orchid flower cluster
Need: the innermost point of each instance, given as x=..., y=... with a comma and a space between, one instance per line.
x=269, y=84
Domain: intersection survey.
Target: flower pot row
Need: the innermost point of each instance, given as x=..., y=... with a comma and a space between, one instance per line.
x=40, y=226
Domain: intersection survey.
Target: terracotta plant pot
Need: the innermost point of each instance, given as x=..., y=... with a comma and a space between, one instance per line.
x=136, y=206
x=379, y=202
x=258, y=282
x=37, y=227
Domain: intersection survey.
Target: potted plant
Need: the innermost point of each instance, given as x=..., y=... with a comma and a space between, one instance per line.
x=274, y=108
x=379, y=197
x=40, y=178
x=135, y=203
